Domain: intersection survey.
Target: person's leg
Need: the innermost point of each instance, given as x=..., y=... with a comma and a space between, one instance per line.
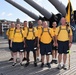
x=56, y=56
x=60, y=52
x=14, y=58
x=21, y=57
x=37, y=54
x=42, y=57
x=56, y=52
x=47, y=58
x=34, y=55
x=24, y=56
x=59, y=60
x=28, y=56
x=27, y=63
x=53, y=56
x=10, y=51
x=11, y=54
x=64, y=61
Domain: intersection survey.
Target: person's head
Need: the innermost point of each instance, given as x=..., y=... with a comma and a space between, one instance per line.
x=30, y=24
x=25, y=24
x=18, y=26
x=54, y=24
x=45, y=24
x=39, y=22
x=63, y=21
x=12, y=25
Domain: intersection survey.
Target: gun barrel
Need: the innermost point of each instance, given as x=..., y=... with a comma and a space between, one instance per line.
x=29, y=13
x=59, y=6
x=43, y=11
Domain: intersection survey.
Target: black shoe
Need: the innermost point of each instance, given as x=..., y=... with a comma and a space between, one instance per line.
x=48, y=64
x=52, y=61
x=35, y=64
x=21, y=64
x=55, y=61
x=10, y=59
x=13, y=64
x=42, y=65
x=24, y=59
x=27, y=64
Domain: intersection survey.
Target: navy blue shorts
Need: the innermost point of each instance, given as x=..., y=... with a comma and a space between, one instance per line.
x=9, y=44
x=17, y=46
x=30, y=45
x=45, y=49
x=63, y=47
x=54, y=47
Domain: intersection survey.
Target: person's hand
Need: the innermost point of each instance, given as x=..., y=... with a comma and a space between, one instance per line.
x=56, y=44
x=38, y=45
x=70, y=44
x=24, y=45
x=11, y=45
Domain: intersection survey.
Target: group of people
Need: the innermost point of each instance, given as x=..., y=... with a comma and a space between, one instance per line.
x=41, y=40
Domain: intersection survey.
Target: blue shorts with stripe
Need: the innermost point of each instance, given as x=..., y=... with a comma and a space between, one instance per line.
x=63, y=47
x=17, y=46
x=30, y=45
x=45, y=49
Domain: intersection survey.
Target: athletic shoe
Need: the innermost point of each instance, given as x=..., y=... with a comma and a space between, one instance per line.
x=64, y=67
x=59, y=66
x=14, y=64
x=42, y=65
x=35, y=64
x=27, y=64
x=10, y=59
x=48, y=64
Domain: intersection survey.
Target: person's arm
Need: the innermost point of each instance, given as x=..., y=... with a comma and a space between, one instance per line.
x=56, y=36
x=25, y=42
x=11, y=43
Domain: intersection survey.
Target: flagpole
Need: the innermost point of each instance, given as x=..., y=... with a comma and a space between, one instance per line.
x=69, y=24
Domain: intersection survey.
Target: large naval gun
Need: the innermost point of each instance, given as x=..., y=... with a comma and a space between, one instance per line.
x=26, y=11
x=59, y=6
x=47, y=15
x=42, y=10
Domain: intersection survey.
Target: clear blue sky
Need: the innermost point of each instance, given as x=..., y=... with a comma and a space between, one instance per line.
x=9, y=12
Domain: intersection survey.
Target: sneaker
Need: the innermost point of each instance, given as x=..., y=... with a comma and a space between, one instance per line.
x=52, y=61
x=21, y=64
x=35, y=64
x=27, y=64
x=42, y=65
x=10, y=59
x=13, y=64
x=55, y=61
x=24, y=59
x=59, y=66
x=64, y=67
x=48, y=64
x=37, y=60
